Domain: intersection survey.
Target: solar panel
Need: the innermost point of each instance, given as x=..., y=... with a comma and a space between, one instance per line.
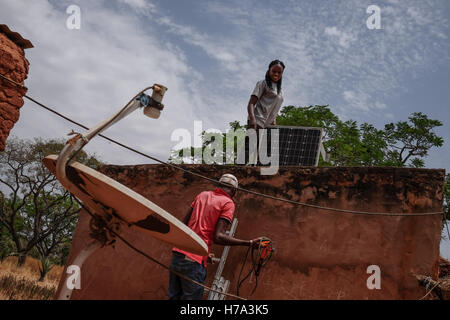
x=297, y=146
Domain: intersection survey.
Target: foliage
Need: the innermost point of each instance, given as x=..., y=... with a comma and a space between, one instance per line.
x=217, y=147
x=351, y=145
x=6, y=243
x=412, y=139
x=405, y=143
x=35, y=210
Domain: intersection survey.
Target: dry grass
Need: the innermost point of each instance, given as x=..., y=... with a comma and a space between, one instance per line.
x=23, y=283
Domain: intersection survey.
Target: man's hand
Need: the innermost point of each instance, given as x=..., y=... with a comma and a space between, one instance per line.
x=210, y=258
x=256, y=242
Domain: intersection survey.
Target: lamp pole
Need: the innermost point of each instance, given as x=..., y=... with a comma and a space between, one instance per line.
x=152, y=108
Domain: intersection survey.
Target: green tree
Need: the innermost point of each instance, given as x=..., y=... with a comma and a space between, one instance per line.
x=51, y=249
x=373, y=146
x=6, y=243
x=341, y=139
x=345, y=148
x=405, y=143
x=312, y=116
x=411, y=139
x=217, y=147
x=37, y=208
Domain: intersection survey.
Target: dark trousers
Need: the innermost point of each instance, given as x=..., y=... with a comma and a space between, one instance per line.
x=181, y=289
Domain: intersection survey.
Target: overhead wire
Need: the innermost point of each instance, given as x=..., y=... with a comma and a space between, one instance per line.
x=431, y=290
x=216, y=181
x=155, y=260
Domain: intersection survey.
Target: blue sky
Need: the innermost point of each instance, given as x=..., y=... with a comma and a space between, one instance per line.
x=211, y=53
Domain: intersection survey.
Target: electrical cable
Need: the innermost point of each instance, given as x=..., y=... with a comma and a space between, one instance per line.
x=431, y=290
x=217, y=182
x=110, y=121
x=261, y=260
x=153, y=259
x=240, y=273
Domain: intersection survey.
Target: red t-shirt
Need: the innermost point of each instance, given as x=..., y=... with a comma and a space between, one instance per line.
x=208, y=207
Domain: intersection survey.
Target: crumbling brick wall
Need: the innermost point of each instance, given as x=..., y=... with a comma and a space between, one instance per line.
x=13, y=65
x=319, y=254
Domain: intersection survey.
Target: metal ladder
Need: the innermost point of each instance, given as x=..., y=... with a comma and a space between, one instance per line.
x=220, y=283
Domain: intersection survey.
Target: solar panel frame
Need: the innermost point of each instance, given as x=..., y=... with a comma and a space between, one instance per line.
x=295, y=151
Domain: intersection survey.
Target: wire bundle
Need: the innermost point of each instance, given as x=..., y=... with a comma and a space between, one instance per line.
x=259, y=258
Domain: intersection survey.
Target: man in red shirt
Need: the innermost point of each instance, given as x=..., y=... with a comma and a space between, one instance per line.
x=209, y=216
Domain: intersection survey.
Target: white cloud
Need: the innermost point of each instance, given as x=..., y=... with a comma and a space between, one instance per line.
x=358, y=100
x=380, y=106
x=141, y=6
x=363, y=102
x=344, y=38
x=89, y=74
x=330, y=55
x=319, y=65
x=348, y=95
x=212, y=47
x=136, y=3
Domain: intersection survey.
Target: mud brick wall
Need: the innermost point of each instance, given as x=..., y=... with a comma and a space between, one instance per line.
x=319, y=254
x=14, y=65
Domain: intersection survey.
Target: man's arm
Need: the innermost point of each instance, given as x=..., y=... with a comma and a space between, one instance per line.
x=187, y=217
x=220, y=236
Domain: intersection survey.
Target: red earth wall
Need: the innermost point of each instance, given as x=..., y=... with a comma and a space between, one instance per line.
x=14, y=65
x=319, y=254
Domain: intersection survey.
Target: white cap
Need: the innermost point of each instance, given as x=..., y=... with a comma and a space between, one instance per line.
x=229, y=179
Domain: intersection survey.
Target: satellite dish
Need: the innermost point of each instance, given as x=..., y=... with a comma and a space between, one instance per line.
x=115, y=203
x=106, y=196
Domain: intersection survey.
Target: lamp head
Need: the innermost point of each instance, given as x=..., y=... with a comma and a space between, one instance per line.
x=153, y=105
